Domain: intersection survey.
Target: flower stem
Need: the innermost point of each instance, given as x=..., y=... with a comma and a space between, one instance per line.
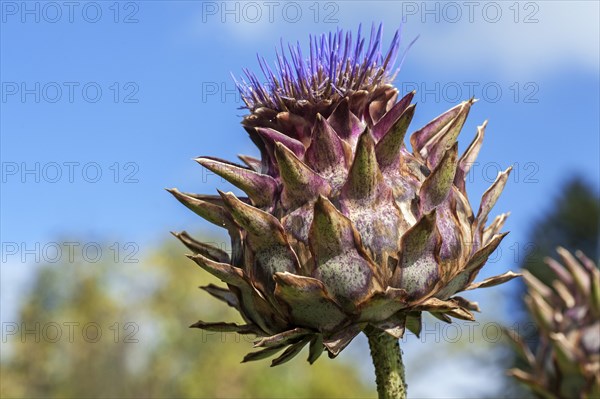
x=387, y=359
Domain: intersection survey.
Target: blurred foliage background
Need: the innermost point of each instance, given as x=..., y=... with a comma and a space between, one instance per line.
x=571, y=221
x=140, y=345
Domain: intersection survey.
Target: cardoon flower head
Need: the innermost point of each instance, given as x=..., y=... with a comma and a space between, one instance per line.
x=343, y=229
x=566, y=312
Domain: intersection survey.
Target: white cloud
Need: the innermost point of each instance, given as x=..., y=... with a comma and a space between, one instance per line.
x=566, y=34
x=514, y=39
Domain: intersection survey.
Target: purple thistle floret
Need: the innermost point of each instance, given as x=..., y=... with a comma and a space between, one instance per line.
x=336, y=64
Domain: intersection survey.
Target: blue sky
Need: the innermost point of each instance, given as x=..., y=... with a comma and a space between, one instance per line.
x=138, y=93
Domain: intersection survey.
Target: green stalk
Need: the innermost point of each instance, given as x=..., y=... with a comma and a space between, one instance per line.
x=387, y=359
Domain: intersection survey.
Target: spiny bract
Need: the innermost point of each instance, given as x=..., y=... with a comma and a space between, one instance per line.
x=343, y=227
x=566, y=311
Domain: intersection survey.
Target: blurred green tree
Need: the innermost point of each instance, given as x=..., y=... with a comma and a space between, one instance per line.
x=132, y=340
x=573, y=223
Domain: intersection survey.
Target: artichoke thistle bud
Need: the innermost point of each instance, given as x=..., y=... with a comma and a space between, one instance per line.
x=566, y=312
x=343, y=226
